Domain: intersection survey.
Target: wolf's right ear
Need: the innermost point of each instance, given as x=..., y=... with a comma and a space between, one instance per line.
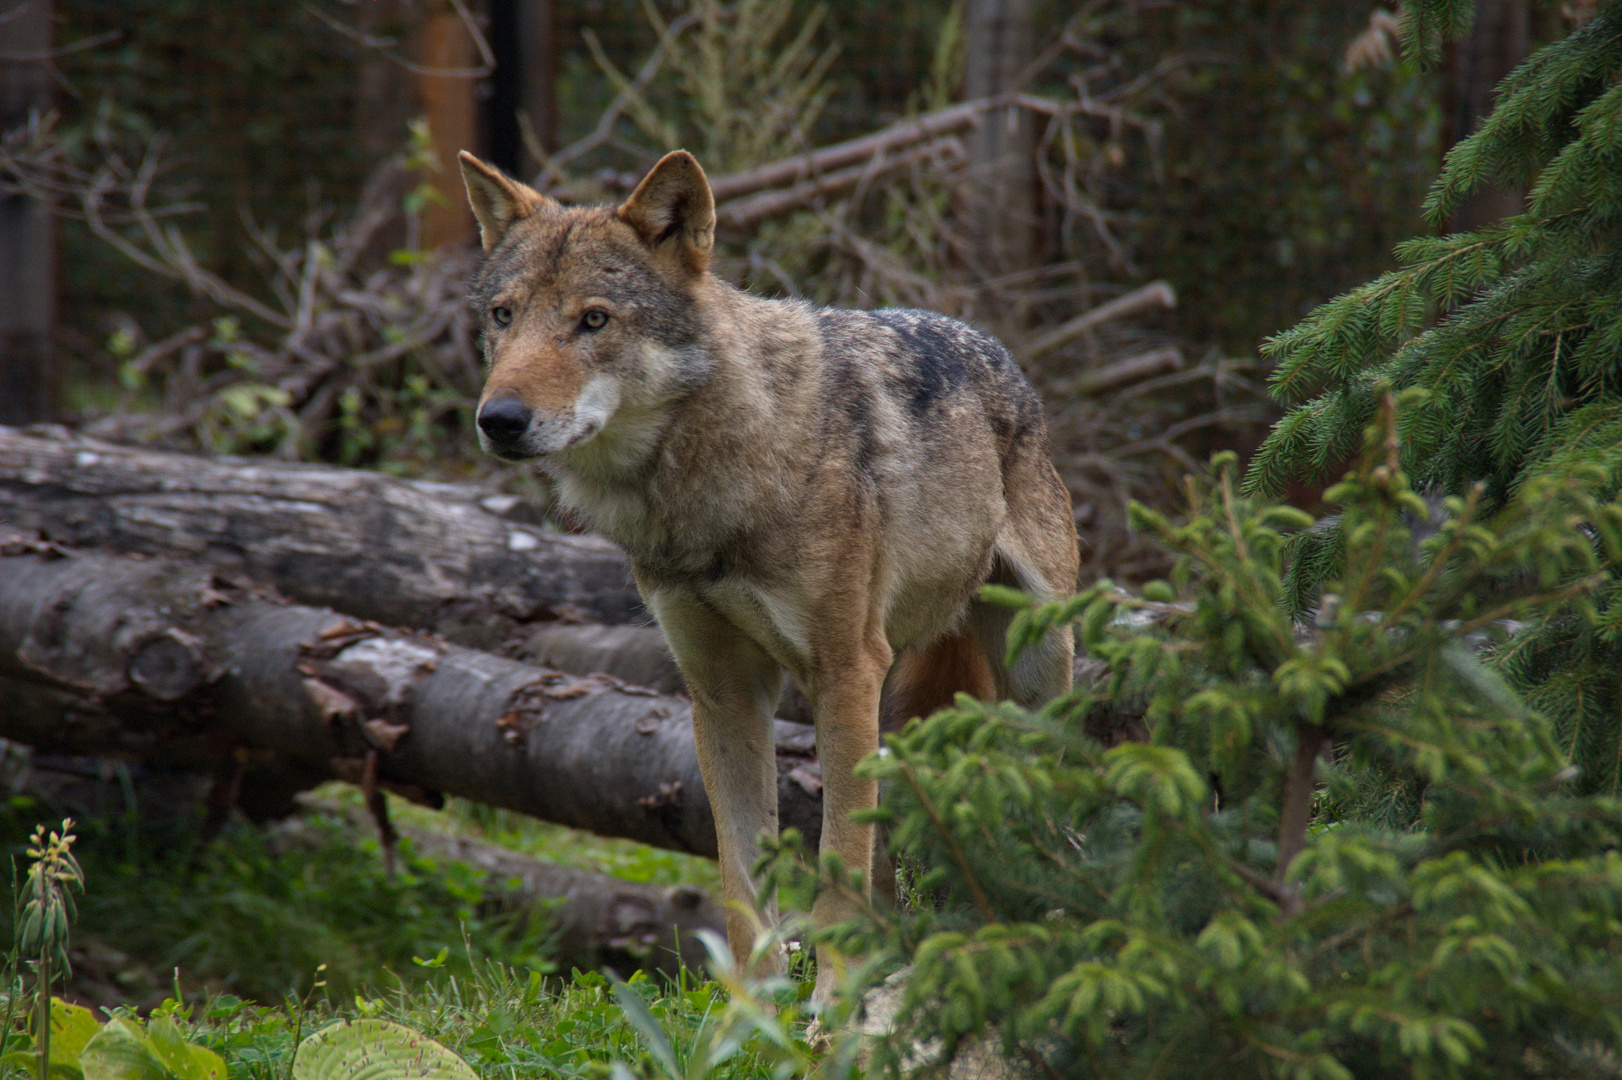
x=497, y=201
x=674, y=203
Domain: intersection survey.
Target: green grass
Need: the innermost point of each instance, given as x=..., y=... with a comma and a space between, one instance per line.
x=505, y=1022
x=253, y=913
x=261, y=934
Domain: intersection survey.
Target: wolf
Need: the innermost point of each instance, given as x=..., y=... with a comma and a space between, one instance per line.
x=801, y=490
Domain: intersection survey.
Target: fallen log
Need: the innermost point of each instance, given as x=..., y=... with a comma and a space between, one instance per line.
x=162, y=660
x=1134, y=369
x=636, y=654
x=437, y=557
x=944, y=156
x=593, y=919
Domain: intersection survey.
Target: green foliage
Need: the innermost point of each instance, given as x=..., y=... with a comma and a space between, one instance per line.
x=1281, y=176
x=565, y=846
x=42, y=924
x=82, y=1048
x=53, y=877
x=71, y=1028
x=481, y=1017
x=1184, y=907
x=253, y=914
x=1513, y=332
x=124, y=1049
x=377, y=1049
x=756, y=1018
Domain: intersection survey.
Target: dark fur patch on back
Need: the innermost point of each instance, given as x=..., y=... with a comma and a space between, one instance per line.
x=930, y=358
x=847, y=390
x=938, y=354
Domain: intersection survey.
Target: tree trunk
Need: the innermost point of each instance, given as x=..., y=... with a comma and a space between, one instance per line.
x=1499, y=40
x=1001, y=217
x=27, y=232
x=160, y=660
x=450, y=102
x=538, y=76
x=437, y=557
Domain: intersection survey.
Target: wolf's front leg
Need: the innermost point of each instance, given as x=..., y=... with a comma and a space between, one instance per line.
x=734, y=685
x=845, y=704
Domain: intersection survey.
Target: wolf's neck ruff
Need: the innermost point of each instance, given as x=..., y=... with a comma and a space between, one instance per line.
x=799, y=489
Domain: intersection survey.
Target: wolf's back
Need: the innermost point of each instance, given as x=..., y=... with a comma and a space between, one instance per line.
x=933, y=368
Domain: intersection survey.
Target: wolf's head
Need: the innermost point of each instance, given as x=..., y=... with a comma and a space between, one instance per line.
x=588, y=314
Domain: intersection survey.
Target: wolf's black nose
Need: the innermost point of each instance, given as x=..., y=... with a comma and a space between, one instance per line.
x=504, y=419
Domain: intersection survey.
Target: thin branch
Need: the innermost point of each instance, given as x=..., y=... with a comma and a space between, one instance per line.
x=51, y=54
x=552, y=173
x=897, y=136
x=384, y=46
x=945, y=154
x=1154, y=294
x=981, y=903
x=1296, y=813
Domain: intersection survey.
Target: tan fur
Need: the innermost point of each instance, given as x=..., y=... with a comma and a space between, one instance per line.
x=800, y=490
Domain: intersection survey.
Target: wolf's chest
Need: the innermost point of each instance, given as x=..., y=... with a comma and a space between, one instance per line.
x=770, y=616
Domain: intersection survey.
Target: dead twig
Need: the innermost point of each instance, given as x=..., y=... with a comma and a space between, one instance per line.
x=552, y=173
x=1155, y=294
x=943, y=155
x=385, y=46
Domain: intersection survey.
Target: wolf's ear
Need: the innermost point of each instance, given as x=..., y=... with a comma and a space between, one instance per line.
x=674, y=203
x=497, y=201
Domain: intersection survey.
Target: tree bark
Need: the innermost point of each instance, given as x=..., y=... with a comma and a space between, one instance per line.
x=1499, y=39
x=160, y=660
x=450, y=103
x=27, y=231
x=436, y=557
x=538, y=76
x=1000, y=42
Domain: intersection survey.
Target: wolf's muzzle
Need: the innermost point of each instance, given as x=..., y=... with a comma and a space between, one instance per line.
x=504, y=420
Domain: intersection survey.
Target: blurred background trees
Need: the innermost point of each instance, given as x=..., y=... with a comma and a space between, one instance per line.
x=1256, y=158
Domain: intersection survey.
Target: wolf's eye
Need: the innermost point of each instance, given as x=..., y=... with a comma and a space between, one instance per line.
x=502, y=315
x=594, y=319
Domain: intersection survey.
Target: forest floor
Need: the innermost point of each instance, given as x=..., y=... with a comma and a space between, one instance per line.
x=262, y=934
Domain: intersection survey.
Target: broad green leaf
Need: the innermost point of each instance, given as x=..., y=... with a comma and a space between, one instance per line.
x=181, y=1059
x=119, y=1052
x=375, y=1050
x=71, y=1028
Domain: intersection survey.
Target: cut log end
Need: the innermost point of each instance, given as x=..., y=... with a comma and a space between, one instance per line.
x=169, y=666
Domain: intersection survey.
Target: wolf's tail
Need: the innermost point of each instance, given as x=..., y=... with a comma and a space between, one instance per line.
x=925, y=679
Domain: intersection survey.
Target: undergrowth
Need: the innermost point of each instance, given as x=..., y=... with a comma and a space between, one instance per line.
x=257, y=939
x=253, y=913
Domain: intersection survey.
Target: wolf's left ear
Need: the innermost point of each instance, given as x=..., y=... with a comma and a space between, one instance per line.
x=674, y=204
x=497, y=200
